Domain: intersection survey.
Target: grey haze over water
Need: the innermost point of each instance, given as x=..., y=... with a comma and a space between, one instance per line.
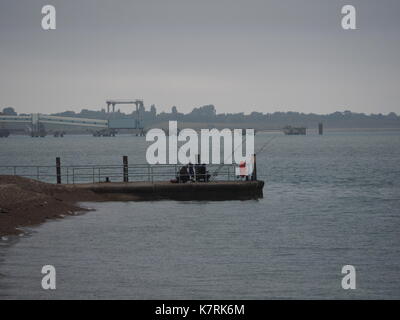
x=238, y=55
x=328, y=201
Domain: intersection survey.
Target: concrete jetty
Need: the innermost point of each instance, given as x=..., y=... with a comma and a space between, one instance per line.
x=145, y=191
x=143, y=182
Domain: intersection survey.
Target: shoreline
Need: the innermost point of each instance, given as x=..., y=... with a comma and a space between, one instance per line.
x=26, y=202
x=257, y=128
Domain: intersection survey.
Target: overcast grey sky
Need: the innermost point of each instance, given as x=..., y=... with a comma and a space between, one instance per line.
x=240, y=55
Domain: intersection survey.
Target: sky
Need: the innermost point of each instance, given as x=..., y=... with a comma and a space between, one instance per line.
x=240, y=55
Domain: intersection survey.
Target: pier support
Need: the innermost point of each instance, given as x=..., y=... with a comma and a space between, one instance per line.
x=126, y=172
x=58, y=170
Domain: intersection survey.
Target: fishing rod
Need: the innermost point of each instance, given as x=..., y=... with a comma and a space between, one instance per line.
x=265, y=145
x=243, y=139
x=222, y=164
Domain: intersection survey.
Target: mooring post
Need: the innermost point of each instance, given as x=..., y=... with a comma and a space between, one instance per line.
x=126, y=173
x=58, y=170
x=320, y=129
x=254, y=175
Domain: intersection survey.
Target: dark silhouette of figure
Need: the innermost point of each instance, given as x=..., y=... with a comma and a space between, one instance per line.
x=197, y=169
x=183, y=175
x=191, y=171
x=202, y=173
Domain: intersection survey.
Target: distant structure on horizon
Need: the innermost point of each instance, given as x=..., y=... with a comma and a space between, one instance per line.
x=206, y=116
x=289, y=130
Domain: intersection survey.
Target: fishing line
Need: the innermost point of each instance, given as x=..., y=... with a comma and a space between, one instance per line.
x=229, y=156
x=265, y=145
x=243, y=140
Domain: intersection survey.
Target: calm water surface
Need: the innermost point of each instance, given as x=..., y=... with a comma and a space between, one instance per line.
x=328, y=201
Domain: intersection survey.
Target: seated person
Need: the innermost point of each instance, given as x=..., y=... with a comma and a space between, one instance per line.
x=183, y=175
x=202, y=173
x=191, y=171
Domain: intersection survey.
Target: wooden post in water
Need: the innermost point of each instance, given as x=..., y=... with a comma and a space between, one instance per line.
x=254, y=175
x=126, y=173
x=320, y=129
x=58, y=170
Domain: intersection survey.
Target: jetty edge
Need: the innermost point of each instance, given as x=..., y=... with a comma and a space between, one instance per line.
x=151, y=191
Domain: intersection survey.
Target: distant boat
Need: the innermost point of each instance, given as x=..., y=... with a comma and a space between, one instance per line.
x=289, y=130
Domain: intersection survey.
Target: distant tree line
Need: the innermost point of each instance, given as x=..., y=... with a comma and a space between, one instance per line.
x=8, y=112
x=207, y=115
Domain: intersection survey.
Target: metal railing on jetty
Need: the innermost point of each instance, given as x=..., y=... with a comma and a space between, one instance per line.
x=112, y=173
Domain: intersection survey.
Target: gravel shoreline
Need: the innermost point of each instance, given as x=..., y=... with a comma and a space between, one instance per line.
x=25, y=202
